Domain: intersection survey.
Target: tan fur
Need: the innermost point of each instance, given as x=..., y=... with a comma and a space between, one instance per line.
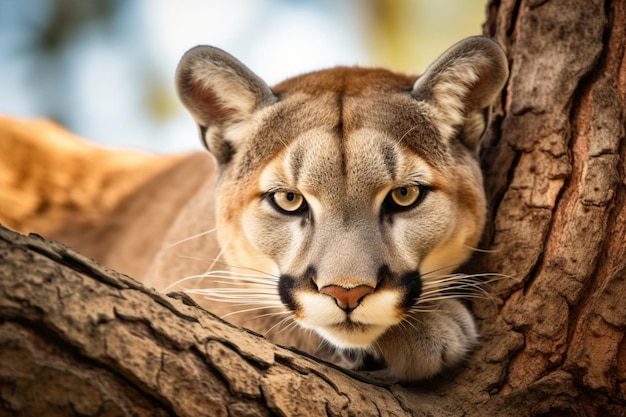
x=348, y=274
x=100, y=201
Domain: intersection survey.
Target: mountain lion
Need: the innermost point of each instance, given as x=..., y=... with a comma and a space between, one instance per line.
x=343, y=202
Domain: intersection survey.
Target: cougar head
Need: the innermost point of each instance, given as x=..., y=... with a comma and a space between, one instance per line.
x=356, y=187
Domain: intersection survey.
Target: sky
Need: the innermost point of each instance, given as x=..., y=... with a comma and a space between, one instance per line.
x=110, y=79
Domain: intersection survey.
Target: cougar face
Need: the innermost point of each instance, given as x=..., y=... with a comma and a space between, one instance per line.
x=358, y=188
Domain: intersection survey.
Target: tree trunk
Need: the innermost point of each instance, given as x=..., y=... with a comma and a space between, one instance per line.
x=554, y=165
x=77, y=339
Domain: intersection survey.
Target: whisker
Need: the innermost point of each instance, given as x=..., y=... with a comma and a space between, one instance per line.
x=219, y=255
x=248, y=310
x=442, y=281
x=190, y=238
x=449, y=296
x=456, y=265
x=180, y=281
x=376, y=349
x=280, y=324
x=322, y=343
x=406, y=133
x=233, y=279
x=239, y=274
x=241, y=300
x=482, y=250
x=243, y=286
x=462, y=289
x=415, y=310
x=224, y=263
x=258, y=271
x=196, y=258
x=267, y=288
x=241, y=280
x=467, y=292
x=275, y=314
x=460, y=277
x=225, y=296
x=407, y=321
x=233, y=273
x=456, y=286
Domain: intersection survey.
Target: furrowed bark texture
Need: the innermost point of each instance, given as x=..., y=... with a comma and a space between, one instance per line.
x=554, y=164
x=77, y=339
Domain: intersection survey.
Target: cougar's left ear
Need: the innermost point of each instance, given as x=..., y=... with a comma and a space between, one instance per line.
x=461, y=85
x=221, y=94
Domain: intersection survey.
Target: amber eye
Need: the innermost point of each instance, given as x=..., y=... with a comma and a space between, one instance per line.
x=404, y=198
x=288, y=202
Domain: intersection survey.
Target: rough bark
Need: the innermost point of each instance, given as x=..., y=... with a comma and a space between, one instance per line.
x=554, y=165
x=78, y=339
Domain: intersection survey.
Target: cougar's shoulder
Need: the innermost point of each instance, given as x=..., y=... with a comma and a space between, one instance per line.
x=112, y=205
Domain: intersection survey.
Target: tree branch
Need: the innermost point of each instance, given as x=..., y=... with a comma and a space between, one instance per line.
x=88, y=339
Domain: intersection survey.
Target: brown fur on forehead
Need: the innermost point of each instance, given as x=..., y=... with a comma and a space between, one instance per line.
x=283, y=122
x=403, y=118
x=342, y=100
x=346, y=81
x=314, y=101
x=377, y=99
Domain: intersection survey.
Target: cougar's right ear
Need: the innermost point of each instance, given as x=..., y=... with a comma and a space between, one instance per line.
x=221, y=94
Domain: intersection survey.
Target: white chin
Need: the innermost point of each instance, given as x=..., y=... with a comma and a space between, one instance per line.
x=358, y=337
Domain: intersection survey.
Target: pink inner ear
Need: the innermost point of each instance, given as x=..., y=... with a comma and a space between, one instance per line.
x=209, y=103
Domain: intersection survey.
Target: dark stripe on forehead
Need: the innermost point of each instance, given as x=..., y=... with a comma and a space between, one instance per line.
x=388, y=153
x=296, y=159
x=404, y=119
x=341, y=133
x=285, y=123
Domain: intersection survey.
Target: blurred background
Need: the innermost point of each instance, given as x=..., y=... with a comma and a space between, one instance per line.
x=104, y=68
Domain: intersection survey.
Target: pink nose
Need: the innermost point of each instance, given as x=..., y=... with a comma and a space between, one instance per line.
x=347, y=299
